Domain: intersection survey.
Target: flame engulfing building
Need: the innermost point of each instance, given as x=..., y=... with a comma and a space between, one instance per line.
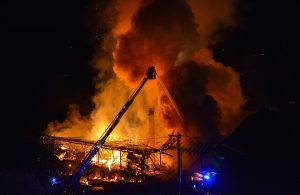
x=176, y=37
x=116, y=161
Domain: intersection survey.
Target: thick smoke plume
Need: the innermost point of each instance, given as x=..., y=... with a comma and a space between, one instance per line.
x=175, y=37
x=170, y=36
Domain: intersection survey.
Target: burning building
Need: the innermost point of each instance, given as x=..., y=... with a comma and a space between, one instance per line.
x=200, y=96
x=116, y=161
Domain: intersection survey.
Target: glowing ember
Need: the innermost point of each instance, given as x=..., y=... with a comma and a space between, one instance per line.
x=64, y=147
x=61, y=156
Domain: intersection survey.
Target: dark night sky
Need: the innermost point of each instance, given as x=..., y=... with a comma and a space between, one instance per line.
x=46, y=62
x=46, y=48
x=46, y=51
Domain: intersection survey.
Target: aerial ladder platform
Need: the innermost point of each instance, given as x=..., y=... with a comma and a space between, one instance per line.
x=150, y=74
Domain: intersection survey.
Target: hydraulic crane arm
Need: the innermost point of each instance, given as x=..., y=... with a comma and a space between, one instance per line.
x=151, y=74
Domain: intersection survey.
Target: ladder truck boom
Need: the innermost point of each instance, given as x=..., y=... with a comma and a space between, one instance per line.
x=151, y=74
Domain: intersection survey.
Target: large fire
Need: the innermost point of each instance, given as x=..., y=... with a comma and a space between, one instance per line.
x=116, y=161
x=175, y=37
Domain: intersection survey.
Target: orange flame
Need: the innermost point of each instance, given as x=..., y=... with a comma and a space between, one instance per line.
x=175, y=38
